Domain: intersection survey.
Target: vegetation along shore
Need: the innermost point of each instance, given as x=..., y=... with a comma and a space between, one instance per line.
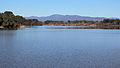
x=9, y=21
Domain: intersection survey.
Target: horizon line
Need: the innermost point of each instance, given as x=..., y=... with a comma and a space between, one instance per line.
x=72, y=15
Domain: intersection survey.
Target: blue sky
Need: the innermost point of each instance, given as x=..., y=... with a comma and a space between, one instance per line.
x=95, y=8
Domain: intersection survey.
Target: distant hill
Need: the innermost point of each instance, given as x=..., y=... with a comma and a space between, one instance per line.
x=58, y=17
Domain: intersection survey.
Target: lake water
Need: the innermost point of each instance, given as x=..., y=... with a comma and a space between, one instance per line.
x=43, y=47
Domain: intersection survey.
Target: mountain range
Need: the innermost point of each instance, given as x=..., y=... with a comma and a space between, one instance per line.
x=58, y=17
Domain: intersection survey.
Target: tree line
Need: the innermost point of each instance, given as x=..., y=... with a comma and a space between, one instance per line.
x=10, y=21
x=105, y=22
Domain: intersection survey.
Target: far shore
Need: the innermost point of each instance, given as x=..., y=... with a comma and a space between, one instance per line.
x=20, y=27
x=84, y=27
x=1, y=27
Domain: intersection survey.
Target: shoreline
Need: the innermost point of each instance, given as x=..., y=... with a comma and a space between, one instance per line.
x=74, y=27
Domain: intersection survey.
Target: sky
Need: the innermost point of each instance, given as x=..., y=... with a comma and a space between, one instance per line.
x=93, y=8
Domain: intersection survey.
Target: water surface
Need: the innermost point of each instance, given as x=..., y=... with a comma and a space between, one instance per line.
x=41, y=47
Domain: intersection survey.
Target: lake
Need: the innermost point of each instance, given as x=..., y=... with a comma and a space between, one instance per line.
x=46, y=47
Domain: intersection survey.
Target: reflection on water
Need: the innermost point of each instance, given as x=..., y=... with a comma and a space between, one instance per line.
x=77, y=27
x=59, y=27
x=65, y=48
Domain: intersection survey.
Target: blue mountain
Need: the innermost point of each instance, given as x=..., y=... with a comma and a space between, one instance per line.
x=58, y=17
